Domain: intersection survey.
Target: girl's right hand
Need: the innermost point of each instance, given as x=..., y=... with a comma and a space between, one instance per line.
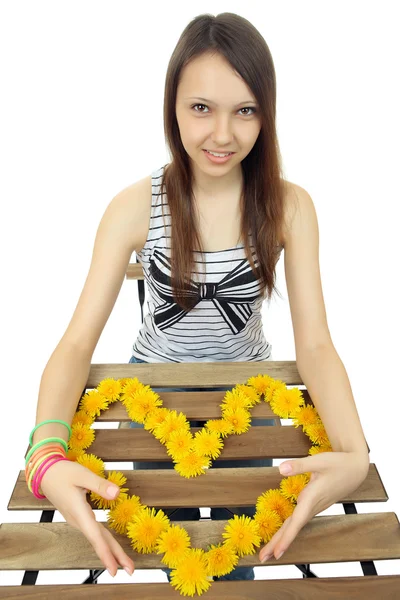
x=66, y=484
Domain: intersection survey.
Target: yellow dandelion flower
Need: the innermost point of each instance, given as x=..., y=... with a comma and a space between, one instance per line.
x=317, y=434
x=93, y=402
x=220, y=426
x=145, y=528
x=261, y=383
x=92, y=462
x=207, y=443
x=276, y=386
x=293, y=485
x=306, y=415
x=180, y=443
x=190, y=576
x=318, y=449
x=241, y=534
x=123, y=381
x=250, y=392
x=236, y=399
x=129, y=389
x=192, y=465
x=81, y=416
x=221, y=559
x=172, y=422
x=155, y=417
x=268, y=522
x=123, y=512
x=82, y=437
x=117, y=478
x=239, y=418
x=274, y=500
x=74, y=453
x=284, y=402
x=110, y=388
x=173, y=543
x=143, y=402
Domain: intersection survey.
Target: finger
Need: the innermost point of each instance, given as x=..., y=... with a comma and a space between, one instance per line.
x=300, y=516
x=120, y=555
x=88, y=525
x=90, y=482
x=267, y=551
x=70, y=520
x=316, y=463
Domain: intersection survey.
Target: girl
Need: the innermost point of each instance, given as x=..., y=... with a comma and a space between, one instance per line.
x=208, y=229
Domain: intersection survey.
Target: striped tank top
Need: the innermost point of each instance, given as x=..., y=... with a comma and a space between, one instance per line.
x=224, y=325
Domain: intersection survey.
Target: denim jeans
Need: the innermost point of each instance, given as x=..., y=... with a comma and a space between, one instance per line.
x=217, y=513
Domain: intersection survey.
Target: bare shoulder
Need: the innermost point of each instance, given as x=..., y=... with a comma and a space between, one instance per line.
x=133, y=203
x=296, y=202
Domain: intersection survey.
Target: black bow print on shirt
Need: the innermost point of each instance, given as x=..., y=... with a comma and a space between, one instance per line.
x=232, y=296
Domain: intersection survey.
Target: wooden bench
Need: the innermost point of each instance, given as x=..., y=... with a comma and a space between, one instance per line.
x=364, y=538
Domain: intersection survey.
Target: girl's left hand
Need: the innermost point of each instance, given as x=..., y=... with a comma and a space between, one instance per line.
x=334, y=475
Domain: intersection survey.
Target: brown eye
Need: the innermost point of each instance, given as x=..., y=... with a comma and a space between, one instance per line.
x=198, y=105
x=249, y=108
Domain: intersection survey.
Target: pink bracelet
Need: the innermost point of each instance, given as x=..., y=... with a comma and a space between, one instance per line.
x=37, y=478
x=40, y=460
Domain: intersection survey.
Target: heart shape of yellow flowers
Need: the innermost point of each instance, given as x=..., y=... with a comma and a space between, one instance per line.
x=149, y=530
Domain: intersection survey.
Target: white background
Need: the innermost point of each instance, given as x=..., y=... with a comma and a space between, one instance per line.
x=81, y=118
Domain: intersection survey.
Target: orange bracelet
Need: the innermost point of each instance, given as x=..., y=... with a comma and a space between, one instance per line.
x=45, y=449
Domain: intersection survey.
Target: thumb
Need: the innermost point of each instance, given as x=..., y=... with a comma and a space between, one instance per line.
x=308, y=464
x=293, y=467
x=286, y=468
x=100, y=486
x=108, y=490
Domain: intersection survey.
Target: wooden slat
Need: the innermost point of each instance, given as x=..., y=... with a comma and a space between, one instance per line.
x=195, y=405
x=165, y=488
x=195, y=374
x=134, y=271
x=328, y=588
x=128, y=445
x=258, y=442
x=325, y=539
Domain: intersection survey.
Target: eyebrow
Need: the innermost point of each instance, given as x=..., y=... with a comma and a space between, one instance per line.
x=211, y=102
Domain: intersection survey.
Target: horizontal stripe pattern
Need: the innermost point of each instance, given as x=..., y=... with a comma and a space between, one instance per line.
x=225, y=323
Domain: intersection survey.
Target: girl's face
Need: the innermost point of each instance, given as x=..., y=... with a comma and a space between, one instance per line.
x=215, y=110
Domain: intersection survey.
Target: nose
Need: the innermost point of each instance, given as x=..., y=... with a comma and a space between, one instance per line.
x=222, y=131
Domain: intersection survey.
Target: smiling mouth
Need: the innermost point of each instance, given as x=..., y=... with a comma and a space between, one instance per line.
x=221, y=154
x=220, y=151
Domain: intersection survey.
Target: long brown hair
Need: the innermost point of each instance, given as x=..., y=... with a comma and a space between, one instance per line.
x=262, y=201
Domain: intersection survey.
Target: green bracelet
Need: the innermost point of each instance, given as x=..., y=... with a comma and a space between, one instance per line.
x=44, y=423
x=36, y=446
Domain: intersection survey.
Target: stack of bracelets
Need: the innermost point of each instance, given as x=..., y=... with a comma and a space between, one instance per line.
x=42, y=455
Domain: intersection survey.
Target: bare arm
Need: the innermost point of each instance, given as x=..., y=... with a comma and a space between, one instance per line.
x=67, y=370
x=318, y=362
x=61, y=386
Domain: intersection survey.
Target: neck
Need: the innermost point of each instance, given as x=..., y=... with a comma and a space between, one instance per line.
x=210, y=187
